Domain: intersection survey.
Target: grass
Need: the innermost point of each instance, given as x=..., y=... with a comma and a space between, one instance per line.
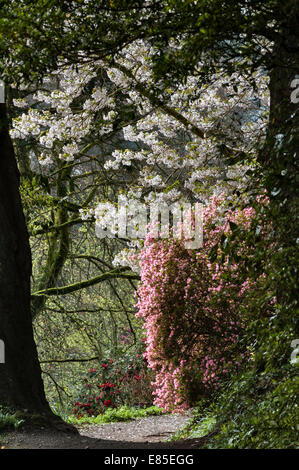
x=197, y=427
x=9, y=420
x=113, y=415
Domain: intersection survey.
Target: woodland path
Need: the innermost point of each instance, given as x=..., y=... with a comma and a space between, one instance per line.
x=151, y=432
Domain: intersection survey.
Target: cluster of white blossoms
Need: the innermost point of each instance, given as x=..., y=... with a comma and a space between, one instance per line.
x=29, y=124
x=68, y=152
x=217, y=110
x=59, y=127
x=87, y=214
x=176, y=148
x=124, y=157
x=20, y=103
x=127, y=257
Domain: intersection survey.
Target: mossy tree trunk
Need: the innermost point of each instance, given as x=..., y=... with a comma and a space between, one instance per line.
x=21, y=385
x=58, y=246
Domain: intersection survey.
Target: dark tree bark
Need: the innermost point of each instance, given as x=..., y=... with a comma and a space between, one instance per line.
x=21, y=386
x=279, y=158
x=284, y=69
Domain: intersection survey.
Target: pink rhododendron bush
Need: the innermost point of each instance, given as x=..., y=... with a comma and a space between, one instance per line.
x=194, y=308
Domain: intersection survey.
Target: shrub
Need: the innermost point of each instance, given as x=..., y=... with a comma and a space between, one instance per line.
x=257, y=411
x=125, y=380
x=194, y=305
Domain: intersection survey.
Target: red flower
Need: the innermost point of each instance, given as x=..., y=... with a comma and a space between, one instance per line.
x=107, y=385
x=107, y=402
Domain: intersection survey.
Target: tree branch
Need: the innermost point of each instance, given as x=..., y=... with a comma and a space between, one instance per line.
x=119, y=273
x=69, y=360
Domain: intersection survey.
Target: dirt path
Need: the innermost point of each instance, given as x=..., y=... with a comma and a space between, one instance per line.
x=144, y=433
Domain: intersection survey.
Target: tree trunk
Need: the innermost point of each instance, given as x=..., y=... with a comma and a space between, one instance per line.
x=279, y=157
x=21, y=386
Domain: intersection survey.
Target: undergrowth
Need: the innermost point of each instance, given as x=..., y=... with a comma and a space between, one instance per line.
x=253, y=411
x=112, y=415
x=9, y=419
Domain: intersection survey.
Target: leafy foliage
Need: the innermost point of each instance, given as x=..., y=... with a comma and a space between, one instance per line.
x=9, y=419
x=125, y=381
x=253, y=411
x=111, y=415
